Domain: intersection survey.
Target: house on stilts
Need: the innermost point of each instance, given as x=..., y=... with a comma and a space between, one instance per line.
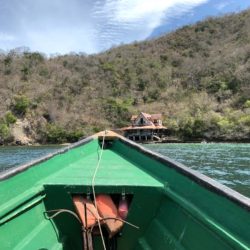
x=145, y=127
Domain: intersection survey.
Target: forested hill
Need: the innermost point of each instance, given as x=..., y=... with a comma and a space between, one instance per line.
x=198, y=77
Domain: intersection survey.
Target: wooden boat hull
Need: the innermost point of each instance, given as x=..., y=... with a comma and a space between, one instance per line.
x=174, y=207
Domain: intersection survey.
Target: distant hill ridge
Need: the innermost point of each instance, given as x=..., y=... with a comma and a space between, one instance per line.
x=198, y=77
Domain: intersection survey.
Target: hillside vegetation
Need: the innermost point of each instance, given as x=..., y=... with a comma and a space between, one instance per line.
x=198, y=77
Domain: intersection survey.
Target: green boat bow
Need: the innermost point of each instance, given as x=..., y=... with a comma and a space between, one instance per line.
x=174, y=207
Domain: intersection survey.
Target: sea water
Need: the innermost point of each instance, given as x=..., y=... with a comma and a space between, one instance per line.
x=227, y=163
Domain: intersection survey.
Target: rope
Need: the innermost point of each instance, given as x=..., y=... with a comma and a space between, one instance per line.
x=115, y=218
x=93, y=189
x=59, y=211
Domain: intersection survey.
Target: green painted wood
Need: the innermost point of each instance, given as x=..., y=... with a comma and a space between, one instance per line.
x=115, y=169
x=29, y=230
x=230, y=219
x=172, y=210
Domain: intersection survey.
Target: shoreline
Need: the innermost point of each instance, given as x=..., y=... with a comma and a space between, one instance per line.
x=140, y=142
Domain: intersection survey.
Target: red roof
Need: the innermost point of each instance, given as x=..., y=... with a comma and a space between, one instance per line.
x=143, y=127
x=156, y=116
x=148, y=116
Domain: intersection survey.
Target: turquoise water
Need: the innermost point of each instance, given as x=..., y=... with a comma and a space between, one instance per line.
x=227, y=163
x=15, y=156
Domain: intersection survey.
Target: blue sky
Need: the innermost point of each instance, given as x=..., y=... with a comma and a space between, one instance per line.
x=91, y=26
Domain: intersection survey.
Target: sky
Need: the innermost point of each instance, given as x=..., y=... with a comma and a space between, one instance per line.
x=93, y=26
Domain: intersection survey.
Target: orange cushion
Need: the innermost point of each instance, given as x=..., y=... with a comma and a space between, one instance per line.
x=92, y=213
x=107, y=209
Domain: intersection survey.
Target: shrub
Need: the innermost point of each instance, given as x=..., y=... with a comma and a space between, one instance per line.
x=154, y=94
x=186, y=126
x=20, y=105
x=108, y=66
x=245, y=120
x=247, y=104
x=44, y=72
x=57, y=134
x=25, y=72
x=172, y=125
x=199, y=127
x=117, y=112
x=7, y=61
x=225, y=125
x=10, y=118
x=4, y=132
x=191, y=126
x=73, y=136
x=34, y=57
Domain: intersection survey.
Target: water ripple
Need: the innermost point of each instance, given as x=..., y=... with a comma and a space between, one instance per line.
x=15, y=156
x=228, y=163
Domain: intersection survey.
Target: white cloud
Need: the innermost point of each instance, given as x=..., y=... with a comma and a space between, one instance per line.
x=89, y=26
x=132, y=10
x=136, y=19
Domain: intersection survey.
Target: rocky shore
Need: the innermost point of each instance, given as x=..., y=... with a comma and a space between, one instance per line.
x=23, y=133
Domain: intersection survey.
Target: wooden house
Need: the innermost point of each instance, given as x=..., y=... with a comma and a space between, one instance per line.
x=145, y=127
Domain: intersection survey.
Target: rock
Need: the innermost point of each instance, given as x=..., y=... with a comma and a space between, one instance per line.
x=21, y=131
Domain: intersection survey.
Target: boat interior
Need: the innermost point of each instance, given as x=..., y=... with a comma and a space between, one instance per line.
x=167, y=206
